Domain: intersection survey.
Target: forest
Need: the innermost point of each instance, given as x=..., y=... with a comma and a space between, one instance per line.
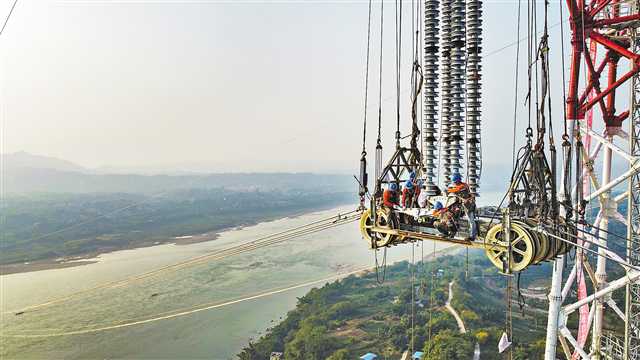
x=360, y=314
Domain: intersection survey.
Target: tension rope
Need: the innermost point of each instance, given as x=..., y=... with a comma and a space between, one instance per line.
x=378, y=155
x=272, y=239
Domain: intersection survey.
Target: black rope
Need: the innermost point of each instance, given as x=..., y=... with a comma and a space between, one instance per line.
x=380, y=74
x=534, y=32
x=380, y=280
x=515, y=102
x=366, y=83
x=529, y=55
x=398, y=66
x=564, y=90
x=521, y=300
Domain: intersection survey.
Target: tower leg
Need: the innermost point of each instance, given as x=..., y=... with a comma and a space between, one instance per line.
x=555, y=301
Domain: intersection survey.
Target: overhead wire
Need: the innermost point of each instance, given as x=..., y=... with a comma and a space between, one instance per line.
x=272, y=239
x=6, y=20
x=182, y=312
x=583, y=248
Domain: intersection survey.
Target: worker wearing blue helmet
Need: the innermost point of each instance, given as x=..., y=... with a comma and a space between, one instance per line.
x=409, y=193
x=462, y=191
x=444, y=220
x=390, y=196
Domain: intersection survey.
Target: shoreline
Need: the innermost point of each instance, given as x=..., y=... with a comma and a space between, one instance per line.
x=90, y=257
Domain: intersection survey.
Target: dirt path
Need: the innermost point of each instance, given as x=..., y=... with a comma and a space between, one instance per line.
x=463, y=329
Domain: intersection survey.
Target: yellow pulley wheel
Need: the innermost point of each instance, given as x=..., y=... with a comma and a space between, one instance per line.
x=383, y=221
x=523, y=248
x=540, y=241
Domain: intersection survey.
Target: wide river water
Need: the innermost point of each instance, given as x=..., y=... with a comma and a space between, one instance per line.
x=60, y=330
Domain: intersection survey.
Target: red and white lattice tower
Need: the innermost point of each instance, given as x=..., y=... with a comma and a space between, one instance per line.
x=605, y=59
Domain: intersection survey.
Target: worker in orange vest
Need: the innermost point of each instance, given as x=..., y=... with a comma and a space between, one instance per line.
x=462, y=191
x=444, y=219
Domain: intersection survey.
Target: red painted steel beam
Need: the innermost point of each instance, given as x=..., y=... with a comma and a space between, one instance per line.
x=574, y=79
x=595, y=79
x=610, y=88
x=596, y=10
x=616, y=20
x=601, y=67
x=620, y=118
x=609, y=117
x=608, y=43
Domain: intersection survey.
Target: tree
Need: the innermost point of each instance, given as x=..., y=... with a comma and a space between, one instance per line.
x=449, y=345
x=342, y=354
x=482, y=337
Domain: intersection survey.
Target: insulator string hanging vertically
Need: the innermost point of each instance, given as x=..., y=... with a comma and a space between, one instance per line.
x=473, y=92
x=457, y=106
x=445, y=71
x=430, y=70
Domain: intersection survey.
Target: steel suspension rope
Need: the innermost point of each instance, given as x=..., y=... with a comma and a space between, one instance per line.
x=417, y=79
x=366, y=83
x=6, y=20
x=517, y=76
x=413, y=291
x=363, y=158
x=183, y=312
x=271, y=239
x=398, y=23
x=378, y=156
x=583, y=248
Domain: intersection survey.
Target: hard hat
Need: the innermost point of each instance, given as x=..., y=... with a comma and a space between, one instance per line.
x=393, y=187
x=412, y=175
x=409, y=184
x=456, y=177
x=438, y=205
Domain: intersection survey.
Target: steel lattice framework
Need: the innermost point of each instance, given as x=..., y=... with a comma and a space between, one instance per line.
x=608, y=26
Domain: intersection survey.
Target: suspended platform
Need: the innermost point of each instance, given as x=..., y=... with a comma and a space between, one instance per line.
x=528, y=243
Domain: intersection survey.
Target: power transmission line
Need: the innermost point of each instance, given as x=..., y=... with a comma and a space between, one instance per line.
x=6, y=20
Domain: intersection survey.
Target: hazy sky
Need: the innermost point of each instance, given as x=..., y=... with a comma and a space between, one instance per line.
x=221, y=85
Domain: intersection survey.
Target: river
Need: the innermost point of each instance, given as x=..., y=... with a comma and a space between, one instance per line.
x=218, y=333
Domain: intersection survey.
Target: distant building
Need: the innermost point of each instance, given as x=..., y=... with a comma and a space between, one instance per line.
x=275, y=356
x=369, y=356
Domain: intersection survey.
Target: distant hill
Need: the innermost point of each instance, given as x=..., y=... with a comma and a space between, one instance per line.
x=23, y=172
x=25, y=160
x=28, y=180
x=26, y=173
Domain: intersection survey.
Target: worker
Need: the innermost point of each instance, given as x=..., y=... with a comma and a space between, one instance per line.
x=444, y=222
x=423, y=197
x=462, y=191
x=390, y=196
x=437, y=208
x=408, y=194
